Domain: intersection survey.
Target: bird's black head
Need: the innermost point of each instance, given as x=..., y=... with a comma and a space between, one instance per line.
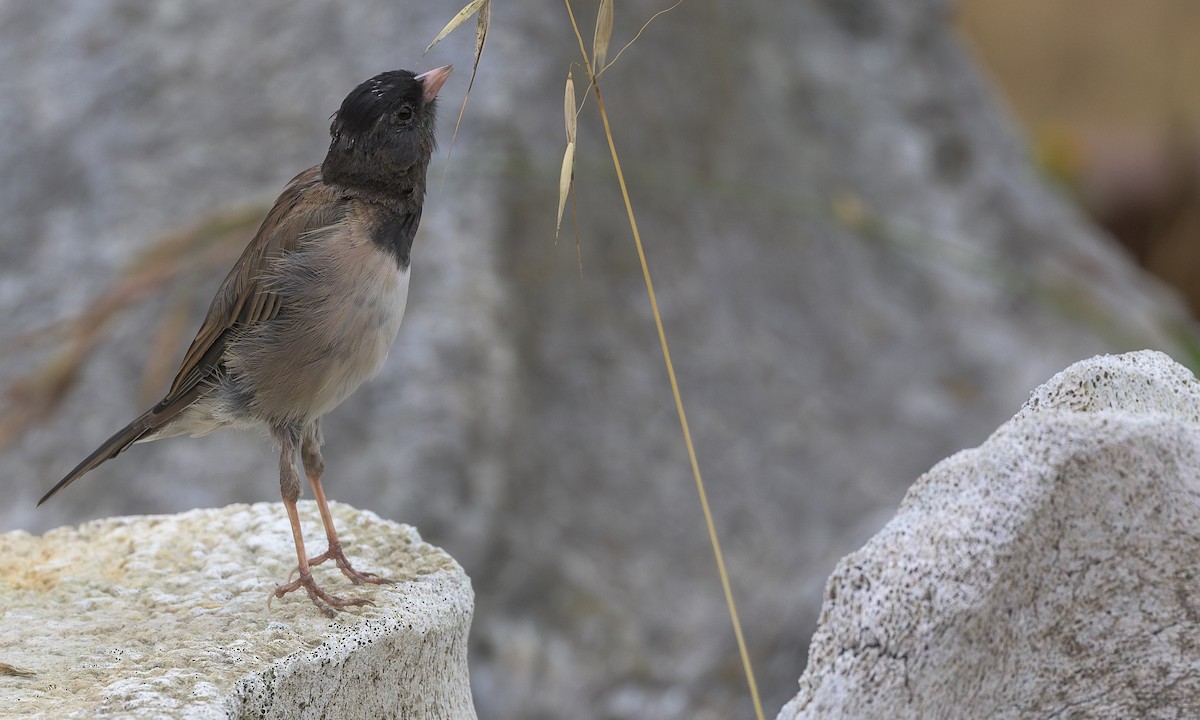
x=382, y=136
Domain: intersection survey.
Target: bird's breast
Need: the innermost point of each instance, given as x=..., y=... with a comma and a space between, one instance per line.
x=360, y=330
x=342, y=300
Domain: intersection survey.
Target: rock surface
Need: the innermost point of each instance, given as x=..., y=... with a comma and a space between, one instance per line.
x=1050, y=572
x=858, y=270
x=167, y=616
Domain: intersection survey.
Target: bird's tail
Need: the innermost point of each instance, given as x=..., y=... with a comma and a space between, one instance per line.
x=145, y=427
x=112, y=447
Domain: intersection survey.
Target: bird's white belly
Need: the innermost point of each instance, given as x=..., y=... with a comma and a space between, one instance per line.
x=360, y=337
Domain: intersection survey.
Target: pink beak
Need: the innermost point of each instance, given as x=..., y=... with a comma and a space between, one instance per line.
x=433, y=80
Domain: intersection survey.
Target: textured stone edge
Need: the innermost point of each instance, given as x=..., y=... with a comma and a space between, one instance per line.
x=412, y=662
x=1102, y=402
x=168, y=615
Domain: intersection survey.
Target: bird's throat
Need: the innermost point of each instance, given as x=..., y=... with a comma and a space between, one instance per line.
x=395, y=233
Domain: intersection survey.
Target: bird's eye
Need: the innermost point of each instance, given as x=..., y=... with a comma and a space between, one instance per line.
x=404, y=114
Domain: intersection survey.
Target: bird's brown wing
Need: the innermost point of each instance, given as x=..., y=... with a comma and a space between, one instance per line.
x=306, y=205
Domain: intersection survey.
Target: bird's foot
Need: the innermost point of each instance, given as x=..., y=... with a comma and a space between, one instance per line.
x=358, y=578
x=326, y=603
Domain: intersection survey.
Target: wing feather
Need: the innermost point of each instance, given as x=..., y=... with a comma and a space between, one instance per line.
x=305, y=206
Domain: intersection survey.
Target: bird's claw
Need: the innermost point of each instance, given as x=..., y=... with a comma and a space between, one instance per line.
x=325, y=602
x=358, y=578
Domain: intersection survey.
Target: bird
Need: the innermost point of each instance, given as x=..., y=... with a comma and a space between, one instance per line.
x=311, y=307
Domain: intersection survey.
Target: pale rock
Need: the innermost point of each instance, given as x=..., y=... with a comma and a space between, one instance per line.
x=1050, y=572
x=168, y=616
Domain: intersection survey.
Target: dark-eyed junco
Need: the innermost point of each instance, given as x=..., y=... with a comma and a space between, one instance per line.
x=312, y=305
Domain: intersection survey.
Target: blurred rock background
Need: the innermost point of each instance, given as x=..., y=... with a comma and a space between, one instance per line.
x=859, y=267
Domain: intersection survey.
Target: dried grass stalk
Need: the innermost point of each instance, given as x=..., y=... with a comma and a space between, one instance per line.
x=462, y=16
x=604, y=25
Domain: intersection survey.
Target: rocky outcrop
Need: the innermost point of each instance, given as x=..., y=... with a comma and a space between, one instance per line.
x=1050, y=572
x=168, y=616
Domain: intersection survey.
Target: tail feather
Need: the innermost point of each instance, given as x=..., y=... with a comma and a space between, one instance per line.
x=112, y=447
x=146, y=427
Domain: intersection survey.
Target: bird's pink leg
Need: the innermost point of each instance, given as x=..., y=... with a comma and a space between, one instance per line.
x=314, y=467
x=290, y=486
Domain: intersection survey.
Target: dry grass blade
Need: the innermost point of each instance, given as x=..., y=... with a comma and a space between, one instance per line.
x=604, y=23
x=569, y=110
x=564, y=184
x=482, y=25
x=462, y=16
x=747, y=667
x=568, y=164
